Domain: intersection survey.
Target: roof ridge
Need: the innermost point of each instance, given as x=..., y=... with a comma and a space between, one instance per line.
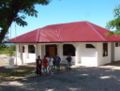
x=89, y=24
x=64, y=23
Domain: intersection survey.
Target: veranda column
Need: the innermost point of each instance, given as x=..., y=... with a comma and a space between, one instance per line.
x=40, y=50
x=36, y=50
x=26, y=51
x=43, y=50
x=21, y=54
x=17, y=54
x=77, y=53
x=60, y=50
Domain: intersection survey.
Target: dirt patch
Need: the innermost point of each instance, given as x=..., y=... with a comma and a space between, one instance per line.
x=4, y=60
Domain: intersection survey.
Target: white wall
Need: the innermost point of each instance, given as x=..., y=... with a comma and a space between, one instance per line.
x=30, y=59
x=103, y=60
x=88, y=56
x=18, y=59
x=117, y=54
x=85, y=56
x=24, y=58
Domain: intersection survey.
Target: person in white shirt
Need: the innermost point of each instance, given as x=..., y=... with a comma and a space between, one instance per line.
x=50, y=63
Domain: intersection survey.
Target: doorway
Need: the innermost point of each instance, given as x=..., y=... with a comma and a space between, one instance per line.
x=51, y=50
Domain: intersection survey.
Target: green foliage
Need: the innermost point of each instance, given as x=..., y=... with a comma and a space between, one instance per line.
x=16, y=11
x=9, y=50
x=4, y=51
x=2, y=46
x=115, y=23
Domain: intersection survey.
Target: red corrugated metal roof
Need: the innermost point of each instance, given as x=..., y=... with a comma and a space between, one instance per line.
x=68, y=32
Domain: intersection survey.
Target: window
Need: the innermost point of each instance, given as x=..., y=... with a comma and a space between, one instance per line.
x=105, y=49
x=31, y=49
x=117, y=44
x=68, y=49
x=89, y=46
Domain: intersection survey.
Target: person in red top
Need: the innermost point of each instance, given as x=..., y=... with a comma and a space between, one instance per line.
x=45, y=64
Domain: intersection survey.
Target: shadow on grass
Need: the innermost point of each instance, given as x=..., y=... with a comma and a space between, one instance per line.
x=16, y=73
x=80, y=79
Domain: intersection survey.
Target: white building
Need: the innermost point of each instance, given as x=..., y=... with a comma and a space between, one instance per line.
x=89, y=44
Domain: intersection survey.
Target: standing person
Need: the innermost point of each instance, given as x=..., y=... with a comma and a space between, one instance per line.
x=50, y=62
x=38, y=65
x=45, y=64
x=54, y=63
x=69, y=59
x=58, y=60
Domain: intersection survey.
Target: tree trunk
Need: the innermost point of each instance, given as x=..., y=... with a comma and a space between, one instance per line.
x=8, y=23
x=11, y=15
x=5, y=28
x=2, y=34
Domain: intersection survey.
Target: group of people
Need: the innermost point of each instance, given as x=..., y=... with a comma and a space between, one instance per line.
x=47, y=64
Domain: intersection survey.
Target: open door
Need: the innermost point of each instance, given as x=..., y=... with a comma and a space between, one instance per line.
x=51, y=50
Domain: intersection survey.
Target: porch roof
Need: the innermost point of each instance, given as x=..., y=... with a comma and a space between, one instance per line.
x=69, y=32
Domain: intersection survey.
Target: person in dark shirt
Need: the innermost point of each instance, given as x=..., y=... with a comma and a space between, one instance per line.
x=38, y=65
x=69, y=60
x=58, y=60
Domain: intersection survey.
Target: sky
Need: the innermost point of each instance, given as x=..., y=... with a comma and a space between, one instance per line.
x=63, y=11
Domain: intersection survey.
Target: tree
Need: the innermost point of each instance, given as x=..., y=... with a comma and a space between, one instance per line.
x=115, y=23
x=15, y=11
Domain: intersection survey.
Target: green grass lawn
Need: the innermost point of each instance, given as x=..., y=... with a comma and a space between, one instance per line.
x=4, y=51
x=7, y=50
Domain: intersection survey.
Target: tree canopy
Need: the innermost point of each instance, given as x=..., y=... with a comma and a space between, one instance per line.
x=16, y=11
x=115, y=23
